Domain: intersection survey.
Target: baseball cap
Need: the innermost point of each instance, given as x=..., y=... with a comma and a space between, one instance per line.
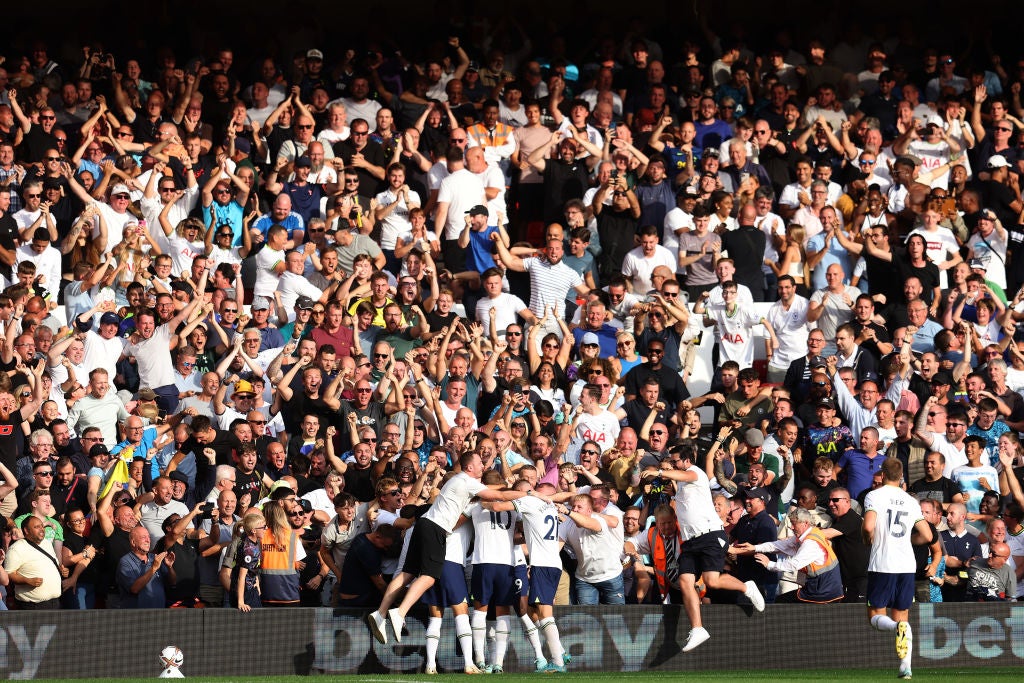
x=304, y=303
x=110, y=318
x=182, y=286
x=303, y=162
x=243, y=387
x=473, y=66
x=590, y=339
x=177, y=476
x=826, y=403
x=933, y=120
x=988, y=214
x=314, y=54
x=753, y=437
x=120, y=188
x=817, y=362
x=978, y=263
x=687, y=191
x=260, y=303
x=478, y=210
x=98, y=449
x=710, y=152
x=758, y=492
x=146, y=394
x=997, y=161
x=942, y=377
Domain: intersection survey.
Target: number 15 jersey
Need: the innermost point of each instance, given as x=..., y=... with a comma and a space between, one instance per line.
x=896, y=513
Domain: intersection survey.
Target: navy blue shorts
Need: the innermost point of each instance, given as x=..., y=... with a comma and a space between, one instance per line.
x=890, y=590
x=493, y=584
x=425, y=556
x=544, y=584
x=450, y=589
x=704, y=553
x=521, y=581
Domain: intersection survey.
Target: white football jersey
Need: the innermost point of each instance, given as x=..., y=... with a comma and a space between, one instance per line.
x=896, y=514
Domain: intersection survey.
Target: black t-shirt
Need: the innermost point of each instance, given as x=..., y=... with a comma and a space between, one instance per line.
x=927, y=274
x=616, y=230
x=563, y=182
x=76, y=544
x=850, y=549
x=8, y=234
x=186, y=569
x=359, y=483
x=370, y=416
x=942, y=489
x=362, y=561
x=224, y=443
x=248, y=483
x=883, y=278
x=373, y=153
x=922, y=553
x=36, y=142
x=672, y=388
x=10, y=439
x=115, y=547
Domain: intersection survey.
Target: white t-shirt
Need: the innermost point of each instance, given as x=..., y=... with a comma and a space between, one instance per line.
x=47, y=264
x=694, y=507
x=101, y=353
x=507, y=305
x=462, y=191
x=266, y=278
x=153, y=359
x=397, y=222
x=939, y=246
x=602, y=429
x=293, y=286
x=790, y=329
x=452, y=500
x=597, y=552
x=676, y=219
x=638, y=267
x=896, y=514
x=736, y=333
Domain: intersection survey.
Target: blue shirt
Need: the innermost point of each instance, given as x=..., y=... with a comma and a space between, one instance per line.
x=835, y=254
x=859, y=469
x=152, y=595
x=292, y=223
x=606, y=337
x=231, y=214
x=479, y=256
x=149, y=435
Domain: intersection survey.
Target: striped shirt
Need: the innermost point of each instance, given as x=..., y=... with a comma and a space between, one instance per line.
x=549, y=285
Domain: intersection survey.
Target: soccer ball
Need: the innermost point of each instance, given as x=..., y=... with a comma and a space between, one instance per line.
x=171, y=656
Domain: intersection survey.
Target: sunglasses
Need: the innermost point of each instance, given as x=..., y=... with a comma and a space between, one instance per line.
x=513, y=334
x=590, y=452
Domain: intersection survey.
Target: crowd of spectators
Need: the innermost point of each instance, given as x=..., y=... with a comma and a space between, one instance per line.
x=254, y=314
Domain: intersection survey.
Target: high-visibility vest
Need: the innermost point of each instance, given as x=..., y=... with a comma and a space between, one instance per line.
x=658, y=558
x=279, y=579
x=824, y=581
